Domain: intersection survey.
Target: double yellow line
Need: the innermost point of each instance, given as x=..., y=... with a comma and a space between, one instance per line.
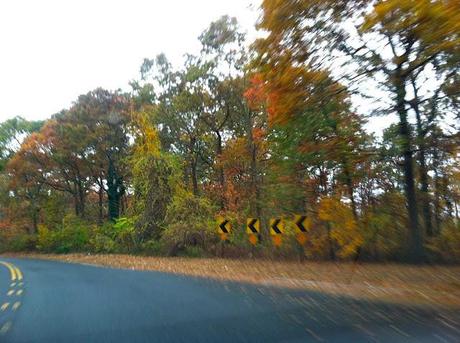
x=16, y=274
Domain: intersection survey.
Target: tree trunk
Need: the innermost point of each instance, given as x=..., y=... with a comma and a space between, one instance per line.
x=193, y=165
x=255, y=207
x=330, y=242
x=425, y=193
x=35, y=214
x=77, y=203
x=437, y=203
x=426, y=210
x=349, y=183
x=81, y=199
x=221, y=175
x=416, y=253
x=113, y=192
x=100, y=204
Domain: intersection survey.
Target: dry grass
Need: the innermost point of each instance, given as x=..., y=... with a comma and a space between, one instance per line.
x=428, y=285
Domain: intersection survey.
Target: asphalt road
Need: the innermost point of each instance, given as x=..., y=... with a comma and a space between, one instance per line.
x=58, y=302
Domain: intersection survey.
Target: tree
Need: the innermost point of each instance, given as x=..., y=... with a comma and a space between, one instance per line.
x=392, y=42
x=12, y=132
x=153, y=177
x=224, y=51
x=104, y=117
x=26, y=185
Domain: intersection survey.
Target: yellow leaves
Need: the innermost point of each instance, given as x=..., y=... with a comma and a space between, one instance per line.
x=146, y=135
x=435, y=24
x=343, y=229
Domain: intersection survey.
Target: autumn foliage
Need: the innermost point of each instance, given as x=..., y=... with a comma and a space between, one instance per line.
x=281, y=128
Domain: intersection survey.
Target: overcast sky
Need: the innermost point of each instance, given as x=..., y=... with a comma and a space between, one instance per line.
x=51, y=51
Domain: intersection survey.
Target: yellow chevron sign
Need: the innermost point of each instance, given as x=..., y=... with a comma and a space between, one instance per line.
x=276, y=226
x=223, y=225
x=253, y=226
x=302, y=224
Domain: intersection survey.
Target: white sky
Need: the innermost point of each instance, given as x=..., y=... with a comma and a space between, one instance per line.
x=51, y=51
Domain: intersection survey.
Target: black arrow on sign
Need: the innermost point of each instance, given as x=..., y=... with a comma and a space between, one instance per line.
x=223, y=226
x=299, y=223
x=275, y=226
x=251, y=225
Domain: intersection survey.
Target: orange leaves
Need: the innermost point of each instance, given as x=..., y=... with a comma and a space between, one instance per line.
x=256, y=93
x=258, y=134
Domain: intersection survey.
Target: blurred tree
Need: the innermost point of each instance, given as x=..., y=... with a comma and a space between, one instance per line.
x=12, y=133
x=391, y=42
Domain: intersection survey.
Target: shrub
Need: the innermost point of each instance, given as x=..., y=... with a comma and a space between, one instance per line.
x=192, y=251
x=189, y=222
x=337, y=231
x=125, y=235
x=22, y=242
x=100, y=243
x=446, y=246
x=45, y=239
x=385, y=229
x=153, y=248
x=73, y=236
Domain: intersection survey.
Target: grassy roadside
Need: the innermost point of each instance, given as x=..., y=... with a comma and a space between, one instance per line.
x=437, y=286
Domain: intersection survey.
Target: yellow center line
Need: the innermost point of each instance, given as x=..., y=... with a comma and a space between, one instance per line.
x=18, y=273
x=19, y=292
x=4, y=306
x=11, y=268
x=16, y=305
x=10, y=292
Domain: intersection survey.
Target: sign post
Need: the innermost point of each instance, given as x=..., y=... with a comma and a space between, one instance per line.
x=302, y=225
x=224, y=228
x=277, y=228
x=253, y=230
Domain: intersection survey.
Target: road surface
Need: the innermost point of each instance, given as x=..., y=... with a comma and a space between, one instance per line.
x=47, y=301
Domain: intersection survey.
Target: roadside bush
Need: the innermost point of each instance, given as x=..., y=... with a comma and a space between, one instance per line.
x=22, y=242
x=153, y=248
x=118, y=237
x=385, y=229
x=17, y=242
x=100, y=243
x=102, y=239
x=189, y=222
x=193, y=252
x=46, y=240
x=446, y=246
x=336, y=233
x=125, y=234
x=73, y=236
